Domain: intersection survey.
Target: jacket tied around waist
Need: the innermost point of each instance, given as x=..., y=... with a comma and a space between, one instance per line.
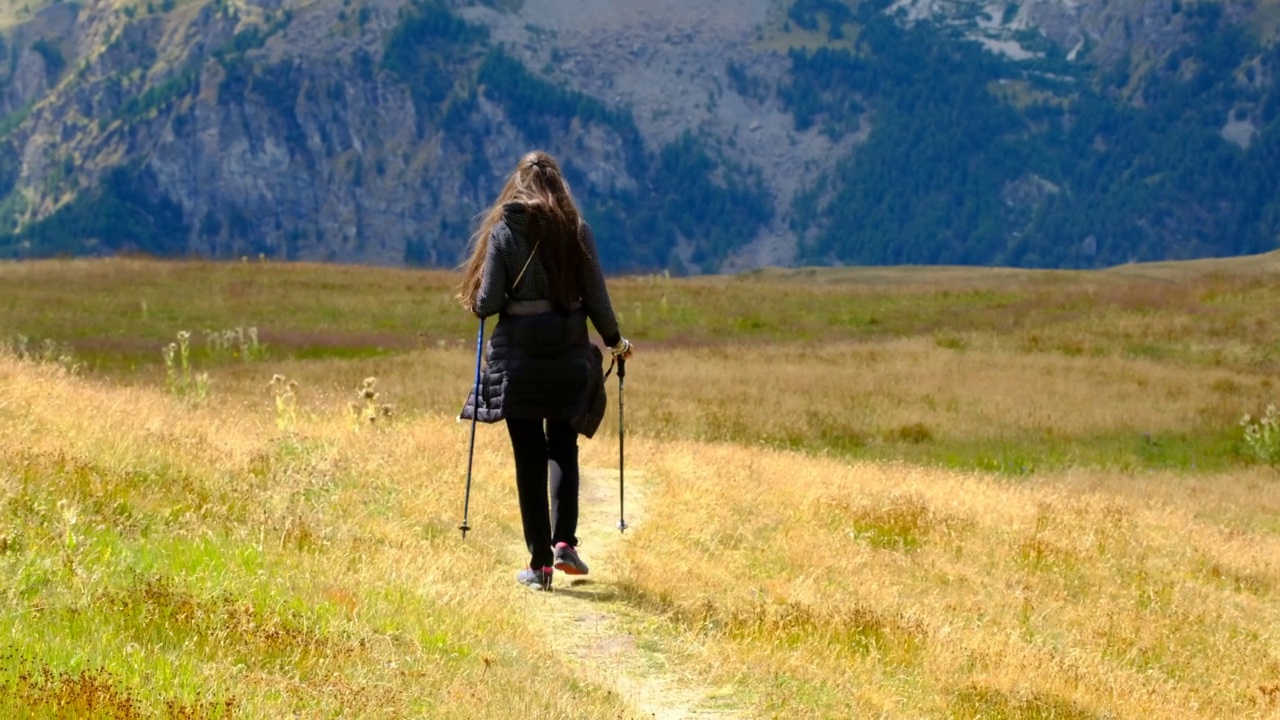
x=540, y=363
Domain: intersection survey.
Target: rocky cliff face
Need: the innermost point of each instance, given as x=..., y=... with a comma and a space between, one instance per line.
x=1102, y=31
x=270, y=130
x=278, y=130
x=375, y=130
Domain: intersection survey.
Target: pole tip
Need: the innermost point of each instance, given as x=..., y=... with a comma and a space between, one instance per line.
x=464, y=528
x=622, y=525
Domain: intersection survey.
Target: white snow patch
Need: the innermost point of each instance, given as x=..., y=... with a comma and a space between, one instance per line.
x=1075, y=51
x=1240, y=132
x=1009, y=48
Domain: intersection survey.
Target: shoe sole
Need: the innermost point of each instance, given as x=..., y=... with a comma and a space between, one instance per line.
x=570, y=569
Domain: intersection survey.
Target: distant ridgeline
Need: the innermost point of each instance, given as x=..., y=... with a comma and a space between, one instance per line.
x=972, y=157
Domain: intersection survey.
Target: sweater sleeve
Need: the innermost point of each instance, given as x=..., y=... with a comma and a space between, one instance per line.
x=493, y=284
x=595, y=296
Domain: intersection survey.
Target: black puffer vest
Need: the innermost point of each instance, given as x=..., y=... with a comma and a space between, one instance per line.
x=541, y=366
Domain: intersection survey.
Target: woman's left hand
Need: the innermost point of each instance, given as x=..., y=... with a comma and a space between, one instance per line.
x=622, y=350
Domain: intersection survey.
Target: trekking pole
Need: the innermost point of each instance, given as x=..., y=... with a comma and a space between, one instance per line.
x=475, y=414
x=622, y=521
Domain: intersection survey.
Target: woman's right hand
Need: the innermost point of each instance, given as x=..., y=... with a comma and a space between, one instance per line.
x=622, y=350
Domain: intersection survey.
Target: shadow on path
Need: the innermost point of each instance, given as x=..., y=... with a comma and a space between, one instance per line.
x=586, y=618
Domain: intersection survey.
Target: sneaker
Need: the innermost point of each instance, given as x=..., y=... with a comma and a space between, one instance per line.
x=535, y=579
x=568, y=562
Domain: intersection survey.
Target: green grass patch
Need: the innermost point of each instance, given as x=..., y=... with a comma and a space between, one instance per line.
x=118, y=313
x=116, y=316
x=1210, y=450
x=1206, y=451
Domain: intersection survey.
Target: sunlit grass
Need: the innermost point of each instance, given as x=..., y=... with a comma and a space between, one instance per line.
x=1012, y=371
x=848, y=590
x=1011, y=495
x=116, y=313
x=164, y=558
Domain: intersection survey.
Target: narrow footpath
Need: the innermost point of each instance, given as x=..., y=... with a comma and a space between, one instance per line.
x=588, y=625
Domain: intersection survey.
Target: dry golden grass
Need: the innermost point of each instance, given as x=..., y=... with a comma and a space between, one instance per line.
x=162, y=556
x=318, y=571
x=850, y=590
x=868, y=391
x=800, y=546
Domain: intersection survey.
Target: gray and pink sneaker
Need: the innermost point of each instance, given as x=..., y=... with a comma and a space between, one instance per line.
x=567, y=560
x=535, y=579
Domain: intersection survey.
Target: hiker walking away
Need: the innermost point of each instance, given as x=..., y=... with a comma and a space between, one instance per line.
x=534, y=263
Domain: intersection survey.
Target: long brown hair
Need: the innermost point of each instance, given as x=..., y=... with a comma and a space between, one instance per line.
x=553, y=224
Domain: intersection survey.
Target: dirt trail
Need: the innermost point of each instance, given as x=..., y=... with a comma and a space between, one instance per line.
x=585, y=622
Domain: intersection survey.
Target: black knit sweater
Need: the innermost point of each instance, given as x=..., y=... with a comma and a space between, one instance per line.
x=509, y=250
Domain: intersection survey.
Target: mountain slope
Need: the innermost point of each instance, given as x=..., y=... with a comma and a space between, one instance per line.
x=697, y=137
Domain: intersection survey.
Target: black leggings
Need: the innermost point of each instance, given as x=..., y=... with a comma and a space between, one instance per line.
x=534, y=451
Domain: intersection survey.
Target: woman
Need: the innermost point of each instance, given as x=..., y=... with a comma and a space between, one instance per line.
x=534, y=263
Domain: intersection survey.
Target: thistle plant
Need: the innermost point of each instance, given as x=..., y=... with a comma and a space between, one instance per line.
x=241, y=342
x=366, y=409
x=286, y=396
x=179, y=378
x=1262, y=436
x=48, y=351
x=16, y=346
x=662, y=281
x=247, y=346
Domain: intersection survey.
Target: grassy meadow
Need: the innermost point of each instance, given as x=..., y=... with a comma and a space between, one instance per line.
x=891, y=492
